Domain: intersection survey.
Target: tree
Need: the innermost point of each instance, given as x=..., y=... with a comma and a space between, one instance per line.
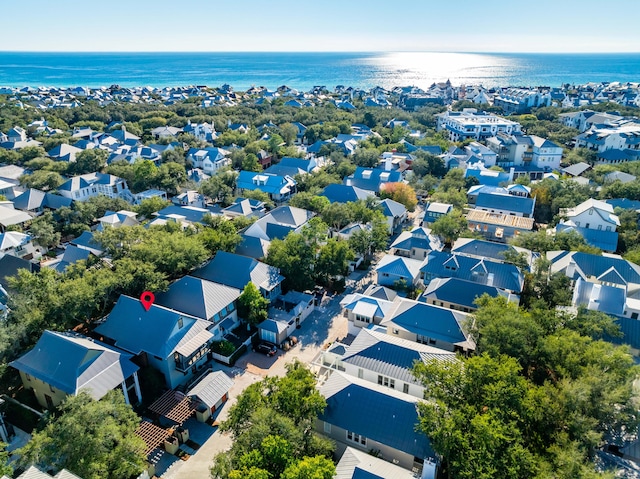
x=170, y=177
x=42, y=180
x=251, y=163
x=5, y=467
x=148, y=206
x=317, y=467
x=294, y=257
x=450, y=226
x=220, y=186
x=400, y=192
x=89, y=161
x=252, y=306
x=144, y=175
x=94, y=439
x=309, y=201
x=173, y=155
x=337, y=215
x=43, y=230
x=333, y=260
x=289, y=133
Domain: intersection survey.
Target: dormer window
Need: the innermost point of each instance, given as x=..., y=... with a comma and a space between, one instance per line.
x=180, y=322
x=591, y=211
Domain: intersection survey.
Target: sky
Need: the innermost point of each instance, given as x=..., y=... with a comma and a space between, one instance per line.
x=555, y=26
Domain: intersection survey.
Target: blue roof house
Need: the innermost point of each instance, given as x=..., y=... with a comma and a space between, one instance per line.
x=435, y=326
x=348, y=419
x=236, y=271
x=174, y=343
x=279, y=188
x=63, y=364
x=391, y=269
x=371, y=179
x=204, y=299
x=336, y=193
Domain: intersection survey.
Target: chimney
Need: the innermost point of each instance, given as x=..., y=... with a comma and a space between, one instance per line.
x=388, y=164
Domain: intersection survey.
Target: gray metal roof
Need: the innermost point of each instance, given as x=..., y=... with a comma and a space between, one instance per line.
x=390, y=356
x=211, y=388
x=71, y=362
x=236, y=271
x=198, y=297
x=354, y=460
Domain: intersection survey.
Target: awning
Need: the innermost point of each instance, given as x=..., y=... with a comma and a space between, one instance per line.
x=190, y=346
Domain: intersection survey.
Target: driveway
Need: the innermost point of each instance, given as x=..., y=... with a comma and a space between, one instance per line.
x=324, y=325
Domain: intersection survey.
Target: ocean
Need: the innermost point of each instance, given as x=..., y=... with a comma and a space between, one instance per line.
x=305, y=70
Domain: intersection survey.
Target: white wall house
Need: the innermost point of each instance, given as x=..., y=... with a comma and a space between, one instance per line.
x=469, y=123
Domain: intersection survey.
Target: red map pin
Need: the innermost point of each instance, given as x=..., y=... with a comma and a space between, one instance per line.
x=147, y=298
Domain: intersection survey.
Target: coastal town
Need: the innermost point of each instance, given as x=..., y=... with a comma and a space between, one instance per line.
x=249, y=278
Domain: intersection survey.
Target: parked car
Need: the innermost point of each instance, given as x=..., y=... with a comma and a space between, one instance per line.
x=266, y=348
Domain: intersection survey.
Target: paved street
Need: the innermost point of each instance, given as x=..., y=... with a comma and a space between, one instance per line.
x=323, y=326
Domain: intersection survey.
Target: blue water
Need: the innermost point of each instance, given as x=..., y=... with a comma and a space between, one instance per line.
x=304, y=70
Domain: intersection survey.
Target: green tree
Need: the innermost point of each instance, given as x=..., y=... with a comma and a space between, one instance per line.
x=5, y=467
x=289, y=133
x=148, y=206
x=295, y=258
x=94, y=439
x=450, y=226
x=174, y=155
x=43, y=230
x=333, y=260
x=42, y=180
x=317, y=467
x=89, y=161
x=251, y=163
x=252, y=306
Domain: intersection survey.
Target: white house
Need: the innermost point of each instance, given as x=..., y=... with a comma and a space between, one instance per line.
x=81, y=188
x=470, y=123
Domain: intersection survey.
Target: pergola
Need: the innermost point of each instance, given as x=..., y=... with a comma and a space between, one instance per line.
x=175, y=406
x=152, y=435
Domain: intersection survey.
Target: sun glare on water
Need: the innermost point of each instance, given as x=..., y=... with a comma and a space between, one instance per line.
x=424, y=68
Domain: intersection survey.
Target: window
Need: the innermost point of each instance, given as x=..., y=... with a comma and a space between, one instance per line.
x=395, y=331
x=608, y=228
x=356, y=438
x=599, y=227
x=53, y=390
x=591, y=211
x=327, y=427
x=27, y=377
x=360, y=373
x=49, y=401
x=386, y=382
x=180, y=322
x=363, y=319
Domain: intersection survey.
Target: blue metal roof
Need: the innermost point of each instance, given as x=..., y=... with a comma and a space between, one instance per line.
x=337, y=193
x=605, y=240
x=516, y=204
x=388, y=419
x=458, y=291
x=501, y=275
x=428, y=320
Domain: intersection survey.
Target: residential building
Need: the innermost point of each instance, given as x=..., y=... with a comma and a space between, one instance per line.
x=174, y=343
x=189, y=198
x=472, y=124
x=279, y=188
x=204, y=299
x=279, y=222
x=505, y=204
x=81, y=188
x=489, y=250
x=382, y=359
x=117, y=219
x=337, y=193
x=372, y=179
x=393, y=270
x=352, y=402
x=416, y=244
x=210, y=393
x=36, y=201
x=480, y=270
x=355, y=464
x=63, y=364
x=237, y=271
x=435, y=326
x=210, y=160
x=595, y=221
x=525, y=151
x=365, y=309
x=624, y=137
x=395, y=213
x=521, y=100
x=147, y=194
x=17, y=244
x=32, y=472
x=460, y=294
x=584, y=120
x=498, y=227
x=435, y=210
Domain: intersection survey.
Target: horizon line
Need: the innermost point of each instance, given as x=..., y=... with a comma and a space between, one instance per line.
x=373, y=52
